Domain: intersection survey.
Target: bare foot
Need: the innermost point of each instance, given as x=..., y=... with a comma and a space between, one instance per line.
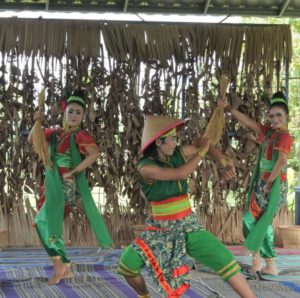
x=269, y=271
x=256, y=263
x=254, y=269
x=68, y=273
x=54, y=280
x=270, y=267
x=60, y=272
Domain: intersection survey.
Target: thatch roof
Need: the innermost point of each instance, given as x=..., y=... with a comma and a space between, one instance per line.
x=145, y=41
x=202, y=7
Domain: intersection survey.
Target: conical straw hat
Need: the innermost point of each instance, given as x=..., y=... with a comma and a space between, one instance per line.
x=155, y=126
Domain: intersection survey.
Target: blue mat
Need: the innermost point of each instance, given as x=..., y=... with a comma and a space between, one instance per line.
x=24, y=273
x=288, y=267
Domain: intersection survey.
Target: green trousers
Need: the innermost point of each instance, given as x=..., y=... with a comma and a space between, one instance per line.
x=267, y=249
x=54, y=245
x=200, y=245
x=49, y=221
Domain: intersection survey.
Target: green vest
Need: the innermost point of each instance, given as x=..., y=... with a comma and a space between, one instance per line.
x=160, y=190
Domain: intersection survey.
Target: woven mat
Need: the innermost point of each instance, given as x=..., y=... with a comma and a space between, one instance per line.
x=23, y=273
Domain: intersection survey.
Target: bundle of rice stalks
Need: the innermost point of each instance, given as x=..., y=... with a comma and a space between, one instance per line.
x=38, y=138
x=215, y=128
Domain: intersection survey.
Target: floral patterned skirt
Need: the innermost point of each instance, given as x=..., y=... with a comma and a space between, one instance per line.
x=71, y=193
x=163, y=248
x=262, y=198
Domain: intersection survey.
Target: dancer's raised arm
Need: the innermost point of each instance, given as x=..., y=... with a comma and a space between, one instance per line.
x=241, y=117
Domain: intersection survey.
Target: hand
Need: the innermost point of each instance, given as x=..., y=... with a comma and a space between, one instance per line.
x=235, y=100
x=68, y=177
x=202, y=144
x=229, y=173
x=223, y=102
x=37, y=116
x=267, y=187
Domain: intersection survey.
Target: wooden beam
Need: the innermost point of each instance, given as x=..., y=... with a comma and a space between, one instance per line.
x=125, y=6
x=284, y=7
x=206, y=6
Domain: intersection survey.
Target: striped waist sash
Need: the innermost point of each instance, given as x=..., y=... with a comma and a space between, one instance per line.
x=171, y=209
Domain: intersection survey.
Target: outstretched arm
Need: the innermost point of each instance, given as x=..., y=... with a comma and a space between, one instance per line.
x=195, y=155
x=215, y=154
x=242, y=118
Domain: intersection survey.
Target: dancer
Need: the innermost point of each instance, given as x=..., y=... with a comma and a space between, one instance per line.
x=173, y=230
x=65, y=183
x=268, y=188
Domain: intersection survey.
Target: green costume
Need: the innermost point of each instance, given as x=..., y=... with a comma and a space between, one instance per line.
x=49, y=220
x=261, y=206
x=171, y=233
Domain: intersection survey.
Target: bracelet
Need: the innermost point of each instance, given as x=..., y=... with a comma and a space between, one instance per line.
x=202, y=153
x=270, y=183
x=74, y=172
x=225, y=161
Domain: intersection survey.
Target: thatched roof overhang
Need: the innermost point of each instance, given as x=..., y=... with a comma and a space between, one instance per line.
x=287, y=8
x=144, y=42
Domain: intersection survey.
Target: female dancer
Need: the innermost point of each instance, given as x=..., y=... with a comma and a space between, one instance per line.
x=173, y=230
x=268, y=188
x=65, y=183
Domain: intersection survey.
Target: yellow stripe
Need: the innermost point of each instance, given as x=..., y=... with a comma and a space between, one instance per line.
x=235, y=268
x=224, y=268
x=126, y=273
x=123, y=267
x=179, y=185
x=169, y=208
x=168, y=133
x=170, y=204
x=171, y=213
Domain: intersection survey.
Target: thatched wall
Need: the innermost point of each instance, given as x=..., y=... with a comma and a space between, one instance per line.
x=128, y=70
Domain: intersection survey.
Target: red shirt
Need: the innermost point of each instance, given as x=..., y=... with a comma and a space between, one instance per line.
x=279, y=140
x=82, y=140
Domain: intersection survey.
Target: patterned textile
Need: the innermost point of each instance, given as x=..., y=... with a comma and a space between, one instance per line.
x=71, y=194
x=164, y=243
x=23, y=274
x=262, y=198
